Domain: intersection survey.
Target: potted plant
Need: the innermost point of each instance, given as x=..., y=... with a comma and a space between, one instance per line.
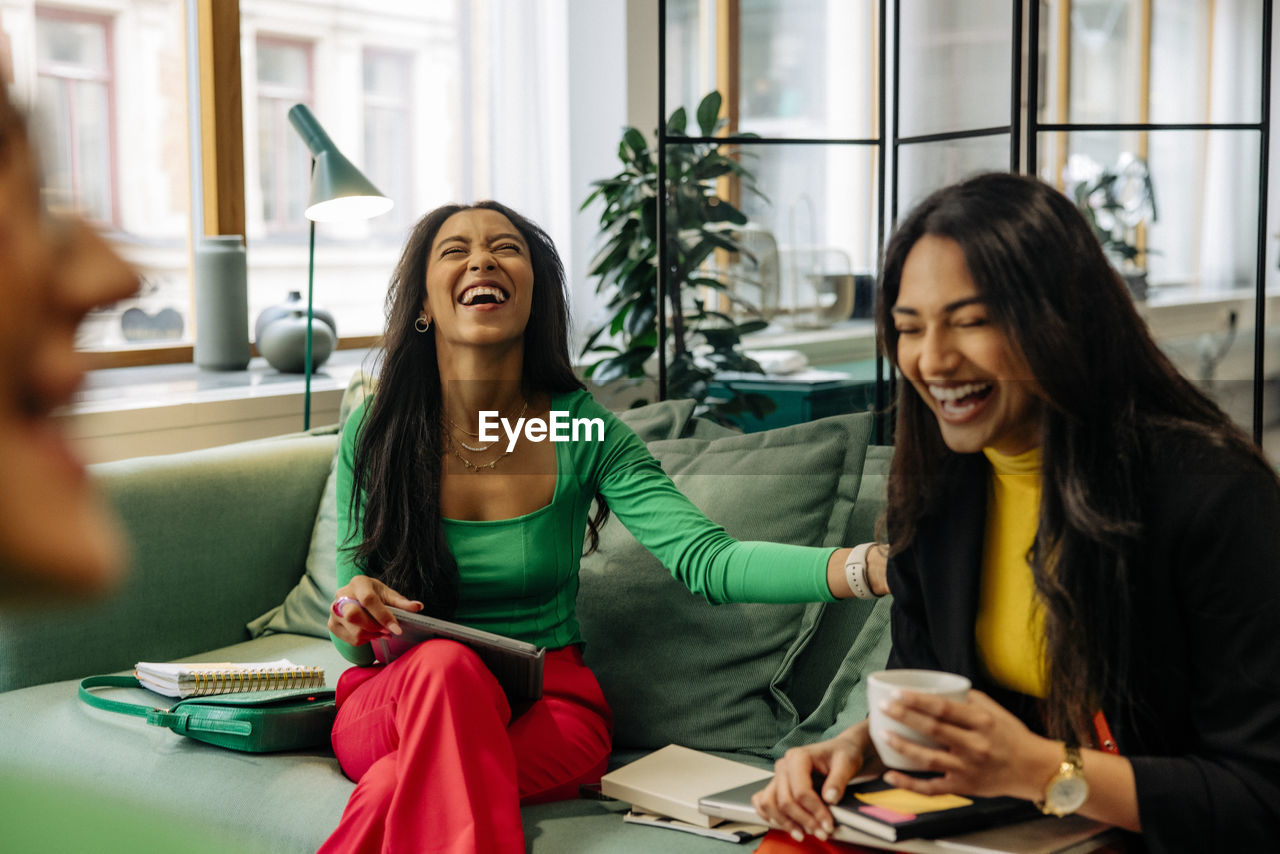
x=705, y=340
x=1115, y=201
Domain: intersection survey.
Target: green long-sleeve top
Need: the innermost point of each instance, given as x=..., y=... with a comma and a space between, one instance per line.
x=519, y=577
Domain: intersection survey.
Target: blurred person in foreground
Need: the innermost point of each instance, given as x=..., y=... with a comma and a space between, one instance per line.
x=56, y=536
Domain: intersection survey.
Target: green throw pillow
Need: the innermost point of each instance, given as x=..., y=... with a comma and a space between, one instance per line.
x=305, y=611
x=677, y=669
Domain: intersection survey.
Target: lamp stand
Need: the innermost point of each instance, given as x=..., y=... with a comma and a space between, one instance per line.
x=311, y=279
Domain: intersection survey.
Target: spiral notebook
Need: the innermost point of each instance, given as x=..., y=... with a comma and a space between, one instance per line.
x=201, y=678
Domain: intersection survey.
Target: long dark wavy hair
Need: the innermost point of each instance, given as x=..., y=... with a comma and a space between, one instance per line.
x=1103, y=385
x=397, y=467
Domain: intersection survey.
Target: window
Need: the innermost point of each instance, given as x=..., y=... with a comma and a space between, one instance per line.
x=284, y=79
x=107, y=91
x=75, y=86
x=388, y=129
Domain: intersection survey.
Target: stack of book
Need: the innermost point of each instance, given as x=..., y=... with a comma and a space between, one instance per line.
x=664, y=787
x=698, y=792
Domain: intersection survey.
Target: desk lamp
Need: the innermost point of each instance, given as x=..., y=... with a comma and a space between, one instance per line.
x=339, y=193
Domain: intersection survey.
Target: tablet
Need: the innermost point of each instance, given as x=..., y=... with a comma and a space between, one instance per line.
x=516, y=664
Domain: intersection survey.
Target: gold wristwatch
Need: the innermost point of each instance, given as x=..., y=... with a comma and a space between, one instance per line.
x=1067, y=790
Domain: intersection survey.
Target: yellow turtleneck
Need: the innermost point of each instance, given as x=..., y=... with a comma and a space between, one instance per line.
x=1010, y=625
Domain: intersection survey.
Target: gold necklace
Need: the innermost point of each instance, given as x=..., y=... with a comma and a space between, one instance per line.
x=479, y=449
x=455, y=425
x=475, y=467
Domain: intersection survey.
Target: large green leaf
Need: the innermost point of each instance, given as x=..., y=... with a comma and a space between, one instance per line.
x=719, y=210
x=641, y=319
x=636, y=142
x=708, y=111
x=616, y=326
x=678, y=122
x=628, y=364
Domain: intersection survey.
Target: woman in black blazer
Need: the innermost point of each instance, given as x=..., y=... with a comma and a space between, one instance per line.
x=1078, y=530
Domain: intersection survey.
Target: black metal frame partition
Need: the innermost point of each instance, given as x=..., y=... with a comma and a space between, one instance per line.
x=1261, y=127
x=888, y=387
x=878, y=142
x=1018, y=135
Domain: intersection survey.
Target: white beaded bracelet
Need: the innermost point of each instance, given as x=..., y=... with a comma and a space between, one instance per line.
x=855, y=572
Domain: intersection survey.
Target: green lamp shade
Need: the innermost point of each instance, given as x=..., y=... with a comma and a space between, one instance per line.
x=339, y=191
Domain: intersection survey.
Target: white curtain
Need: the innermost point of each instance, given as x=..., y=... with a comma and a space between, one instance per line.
x=1228, y=219
x=520, y=83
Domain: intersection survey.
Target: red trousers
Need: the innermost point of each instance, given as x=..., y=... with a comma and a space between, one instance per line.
x=439, y=764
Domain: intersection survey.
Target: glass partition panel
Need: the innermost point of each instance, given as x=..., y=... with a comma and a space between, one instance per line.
x=955, y=66
x=925, y=167
x=691, y=54
x=1198, y=61
x=816, y=213
x=1181, y=227
x=806, y=68
x=1188, y=208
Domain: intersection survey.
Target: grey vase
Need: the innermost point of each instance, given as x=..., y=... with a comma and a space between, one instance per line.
x=222, y=304
x=283, y=342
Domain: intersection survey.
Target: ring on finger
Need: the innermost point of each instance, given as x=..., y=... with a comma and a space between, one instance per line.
x=341, y=602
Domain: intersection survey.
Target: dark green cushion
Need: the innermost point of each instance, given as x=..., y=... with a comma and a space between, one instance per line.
x=677, y=669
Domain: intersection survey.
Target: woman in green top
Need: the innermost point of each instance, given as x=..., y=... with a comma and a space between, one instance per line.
x=438, y=518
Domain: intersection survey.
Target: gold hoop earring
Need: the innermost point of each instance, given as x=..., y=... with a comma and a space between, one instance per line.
x=422, y=324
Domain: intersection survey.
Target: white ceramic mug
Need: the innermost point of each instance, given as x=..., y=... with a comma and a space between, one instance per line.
x=880, y=688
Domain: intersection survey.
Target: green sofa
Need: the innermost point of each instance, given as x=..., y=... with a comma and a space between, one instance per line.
x=233, y=561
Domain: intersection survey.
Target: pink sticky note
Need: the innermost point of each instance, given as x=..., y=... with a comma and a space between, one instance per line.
x=886, y=815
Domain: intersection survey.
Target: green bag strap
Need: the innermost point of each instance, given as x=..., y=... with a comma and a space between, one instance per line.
x=177, y=719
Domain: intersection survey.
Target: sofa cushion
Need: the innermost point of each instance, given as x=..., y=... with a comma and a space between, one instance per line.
x=677, y=669
x=287, y=802
x=305, y=610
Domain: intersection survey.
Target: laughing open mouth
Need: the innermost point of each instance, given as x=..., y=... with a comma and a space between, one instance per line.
x=960, y=399
x=482, y=295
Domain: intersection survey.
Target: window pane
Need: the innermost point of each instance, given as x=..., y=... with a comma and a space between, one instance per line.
x=810, y=238
x=388, y=114
x=92, y=123
x=1196, y=238
x=283, y=65
x=806, y=67
x=956, y=66
x=77, y=44
x=118, y=154
x=817, y=203
x=925, y=167
x=357, y=72
x=691, y=53
x=1204, y=61
x=284, y=79
x=1197, y=233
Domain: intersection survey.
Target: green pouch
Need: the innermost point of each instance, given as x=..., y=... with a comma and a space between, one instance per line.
x=251, y=721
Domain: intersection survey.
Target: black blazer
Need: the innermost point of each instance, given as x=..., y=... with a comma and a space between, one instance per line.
x=1204, y=739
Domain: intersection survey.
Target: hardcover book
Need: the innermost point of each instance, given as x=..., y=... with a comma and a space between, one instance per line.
x=876, y=808
x=671, y=780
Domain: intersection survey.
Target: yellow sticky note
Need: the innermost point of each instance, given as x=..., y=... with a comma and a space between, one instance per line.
x=912, y=803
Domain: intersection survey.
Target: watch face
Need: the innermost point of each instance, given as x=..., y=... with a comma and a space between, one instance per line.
x=1067, y=795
